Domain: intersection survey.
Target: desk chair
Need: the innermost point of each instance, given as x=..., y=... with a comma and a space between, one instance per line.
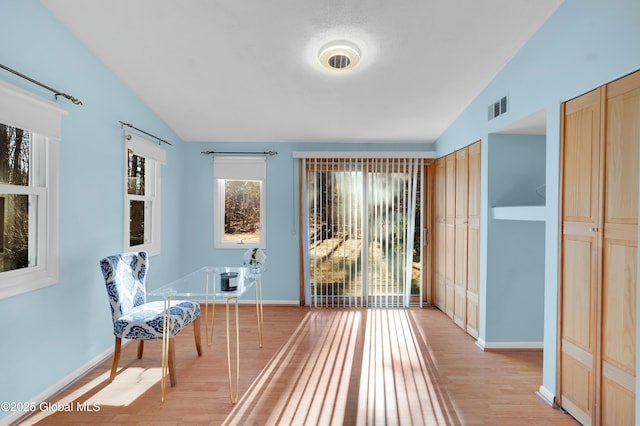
x=134, y=318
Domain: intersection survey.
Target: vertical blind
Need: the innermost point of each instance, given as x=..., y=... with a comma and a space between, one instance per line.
x=361, y=230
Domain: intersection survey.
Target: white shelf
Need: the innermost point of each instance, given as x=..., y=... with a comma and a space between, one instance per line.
x=534, y=213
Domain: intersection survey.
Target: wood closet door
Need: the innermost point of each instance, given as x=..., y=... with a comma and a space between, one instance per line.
x=473, y=241
x=461, y=234
x=440, y=229
x=450, y=232
x=620, y=252
x=581, y=183
x=600, y=254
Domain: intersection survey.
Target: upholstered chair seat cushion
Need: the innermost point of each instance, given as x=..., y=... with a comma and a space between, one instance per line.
x=145, y=321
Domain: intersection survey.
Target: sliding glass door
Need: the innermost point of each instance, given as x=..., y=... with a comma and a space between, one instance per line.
x=362, y=231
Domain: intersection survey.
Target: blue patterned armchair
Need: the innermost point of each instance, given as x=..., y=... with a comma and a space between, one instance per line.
x=134, y=318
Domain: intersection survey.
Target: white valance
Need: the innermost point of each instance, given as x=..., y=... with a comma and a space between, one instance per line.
x=27, y=111
x=240, y=168
x=144, y=148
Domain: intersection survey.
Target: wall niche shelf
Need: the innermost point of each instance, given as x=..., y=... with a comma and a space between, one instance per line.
x=529, y=213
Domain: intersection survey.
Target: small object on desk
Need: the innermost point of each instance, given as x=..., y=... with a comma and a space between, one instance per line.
x=226, y=279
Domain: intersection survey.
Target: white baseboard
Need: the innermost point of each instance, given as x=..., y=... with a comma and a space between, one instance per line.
x=509, y=346
x=546, y=395
x=62, y=383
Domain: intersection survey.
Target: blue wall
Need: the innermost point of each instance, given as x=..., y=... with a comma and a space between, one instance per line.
x=50, y=333
x=584, y=45
x=514, y=298
x=282, y=277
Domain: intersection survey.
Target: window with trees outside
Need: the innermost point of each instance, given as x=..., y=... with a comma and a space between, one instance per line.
x=239, y=194
x=28, y=191
x=142, y=195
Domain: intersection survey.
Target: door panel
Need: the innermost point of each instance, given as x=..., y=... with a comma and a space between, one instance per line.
x=581, y=147
x=620, y=251
x=440, y=228
x=473, y=241
x=598, y=288
x=450, y=232
x=461, y=224
x=579, y=279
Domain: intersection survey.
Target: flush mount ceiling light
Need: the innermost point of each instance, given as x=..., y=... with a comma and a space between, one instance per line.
x=339, y=56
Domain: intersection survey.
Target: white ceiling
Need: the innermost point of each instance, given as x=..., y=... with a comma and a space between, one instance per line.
x=247, y=70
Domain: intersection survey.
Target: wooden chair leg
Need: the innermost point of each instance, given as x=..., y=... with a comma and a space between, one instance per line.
x=196, y=334
x=140, y=348
x=172, y=355
x=116, y=358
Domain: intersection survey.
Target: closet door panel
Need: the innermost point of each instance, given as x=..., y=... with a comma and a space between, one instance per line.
x=619, y=307
x=579, y=282
x=578, y=346
x=618, y=402
x=621, y=169
x=450, y=232
x=619, y=275
x=581, y=147
x=473, y=241
x=440, y=228
x=580, y=263
x=461, y=234
x=440, y=265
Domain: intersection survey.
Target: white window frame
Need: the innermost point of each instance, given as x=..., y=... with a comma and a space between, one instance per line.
x=238, y=168
x=154, y=156
x=43, y=119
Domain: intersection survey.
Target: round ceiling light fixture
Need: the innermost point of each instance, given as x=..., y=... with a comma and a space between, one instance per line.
x=339, y=56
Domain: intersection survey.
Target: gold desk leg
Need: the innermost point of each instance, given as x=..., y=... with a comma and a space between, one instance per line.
x=259, y=313
x=213, y=315
x=233, y=397
x=209, y=332
x=166, y=322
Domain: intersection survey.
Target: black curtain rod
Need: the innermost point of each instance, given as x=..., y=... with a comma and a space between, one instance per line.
x=269, y=153
x=56, y=93
x=142, y=131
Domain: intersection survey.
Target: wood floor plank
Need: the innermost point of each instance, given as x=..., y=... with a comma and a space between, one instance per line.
x=320, y=366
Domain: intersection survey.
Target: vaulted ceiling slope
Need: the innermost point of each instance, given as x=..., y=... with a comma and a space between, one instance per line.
x=248, y=70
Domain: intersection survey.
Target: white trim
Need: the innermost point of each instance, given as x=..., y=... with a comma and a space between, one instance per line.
x=63, y=383
x=27, y=111
x=252, y=169
x=364, y=154
x=507, y=346
x=145, y=148
x=45, y=271
x=546, y=395
x=240, y=168
x=155, y=156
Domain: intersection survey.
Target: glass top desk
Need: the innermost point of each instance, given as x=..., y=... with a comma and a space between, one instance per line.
x=206, y=284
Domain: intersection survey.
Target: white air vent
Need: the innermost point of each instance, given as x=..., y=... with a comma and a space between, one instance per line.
x=497, y=108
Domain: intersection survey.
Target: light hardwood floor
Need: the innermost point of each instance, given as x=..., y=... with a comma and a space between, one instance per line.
x=320, y=366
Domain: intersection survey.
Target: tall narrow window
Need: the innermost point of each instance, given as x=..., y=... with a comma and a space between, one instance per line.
x=142, y=194
x=29, y=138
x=239, y=194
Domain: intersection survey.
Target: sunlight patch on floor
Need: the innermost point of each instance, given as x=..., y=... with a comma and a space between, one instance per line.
x=307, y=382
x=129, y=385
x=395, y=385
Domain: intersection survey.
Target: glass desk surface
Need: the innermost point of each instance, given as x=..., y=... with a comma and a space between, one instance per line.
x=206, y=281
